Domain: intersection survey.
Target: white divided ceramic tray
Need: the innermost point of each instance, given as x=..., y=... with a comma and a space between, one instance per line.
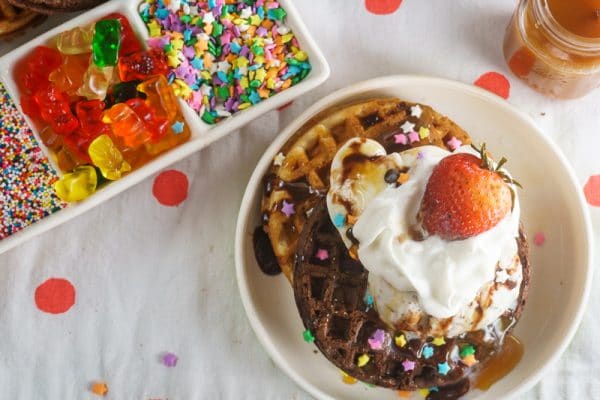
x=202, y=133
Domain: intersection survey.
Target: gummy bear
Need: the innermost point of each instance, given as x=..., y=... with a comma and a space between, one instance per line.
x=90, y=113
x=32, y=72
x=160, y=97
x=30, y=107
x=127, y=126
x=96, y=82
x=106, y=42
x=129, y=42
x=69, y=76
x=75, y=41
x=67, y=160
x=142, y=65
x=77, y=185
x=78, y=145
x=51, y=139
x=158, y=126
x=55, y=110
x=121, y=92
x=107, y=157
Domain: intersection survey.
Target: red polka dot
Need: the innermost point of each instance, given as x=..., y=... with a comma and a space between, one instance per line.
x=170, y=188
x=592, y=190
x=286, y=105
x=495, y=83
x=55, y=296
x=382, y=7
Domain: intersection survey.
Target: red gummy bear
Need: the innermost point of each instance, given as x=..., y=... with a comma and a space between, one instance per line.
x=89, y=113
x=79, y=144
x=157, y=126
x=129, y=42
x=55, y=110
x=142, y=65
x=33, y=71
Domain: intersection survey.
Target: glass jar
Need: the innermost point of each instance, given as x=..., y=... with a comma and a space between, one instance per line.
x=547, y=56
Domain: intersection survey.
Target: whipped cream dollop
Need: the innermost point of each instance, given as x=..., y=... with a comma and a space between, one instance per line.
x=471, y=281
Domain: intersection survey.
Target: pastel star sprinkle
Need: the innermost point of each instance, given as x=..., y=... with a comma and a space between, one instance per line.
x=279, y=159
x=469, y=361
x=400, y=138
x=407, y=127
x=308, y=336
x=413, y=137
x=170, y=360
x=376, y=340
x=453, y=143
x=424, y=392
x=434, y=389
x=416, y=111
x=405, y=394
x=438, y=341
x=368, y=300
x=427, y=352
x=467, y=350
x=339, y=220
x=347, y=379
x=408, y=365
x=178, y=127
x=539, y=238
x=363, y=360
x=322, y=254
x=99, y=388
x=423, y=132
x=403, y=178
x=400, y=340
x=288, y=209
x=420, y=155
x=443, y=368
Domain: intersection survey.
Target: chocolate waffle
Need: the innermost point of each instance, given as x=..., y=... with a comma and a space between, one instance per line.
x=13, y=19
x=55, y=6
x=330, y=296
x=301, y=175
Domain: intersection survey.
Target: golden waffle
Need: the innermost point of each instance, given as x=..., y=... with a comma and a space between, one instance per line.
x=12, y=19
x=300, y=173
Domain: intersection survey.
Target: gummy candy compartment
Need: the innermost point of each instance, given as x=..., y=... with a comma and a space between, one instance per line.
x=202, y=133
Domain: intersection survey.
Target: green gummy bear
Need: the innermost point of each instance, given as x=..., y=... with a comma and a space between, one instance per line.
x=106, y=42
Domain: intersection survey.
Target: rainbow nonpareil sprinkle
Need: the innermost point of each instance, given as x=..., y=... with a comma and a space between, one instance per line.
x=26, y=193
x=225, y=55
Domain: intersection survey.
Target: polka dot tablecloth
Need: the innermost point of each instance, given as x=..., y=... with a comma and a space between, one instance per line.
x=137, y=298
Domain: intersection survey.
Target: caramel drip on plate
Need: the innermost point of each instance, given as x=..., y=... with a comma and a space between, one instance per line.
x=500, y=364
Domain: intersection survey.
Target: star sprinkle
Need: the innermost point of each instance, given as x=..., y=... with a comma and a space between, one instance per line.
x=427, y=352
x=407, y=127
x=99, y=388
x=423, y=132
x=322, y=254
x=469, y=361
x=288, y=209
x=279, y=159
x=453, y=143
x=339, y=220
x=539, y=238
x=443, y=368
x=408, y=365
x=363, y=360
x=368, y=300
x=467, y=350
x=308, y=336
x=403, y=178
x=178, y=127
x=424, y=392
x=420, y=155
x=400, y=138
x=347, y=379
x=170, y=360
x=413, y=137
x=400, y=341
x=377, y=339
x=434, y=389
x=416, y=111
x=405, y=394
x=438, y=341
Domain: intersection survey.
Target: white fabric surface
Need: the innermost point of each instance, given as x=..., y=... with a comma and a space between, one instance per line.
x=151, y=279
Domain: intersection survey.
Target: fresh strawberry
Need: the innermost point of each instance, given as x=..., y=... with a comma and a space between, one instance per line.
x=465, y=196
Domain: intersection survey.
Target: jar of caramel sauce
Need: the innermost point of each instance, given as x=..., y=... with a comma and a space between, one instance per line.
x=554, y=46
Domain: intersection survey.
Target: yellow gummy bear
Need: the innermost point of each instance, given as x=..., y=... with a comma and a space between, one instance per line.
x=107, y=157
x=76, y=185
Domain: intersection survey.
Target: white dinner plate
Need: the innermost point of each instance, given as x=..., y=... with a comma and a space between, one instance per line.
x=551, y=202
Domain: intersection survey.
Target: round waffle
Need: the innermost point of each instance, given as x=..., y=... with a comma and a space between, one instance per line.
x=330, y=295
x=55, y=6
x=301, y=175
x=13, y=19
